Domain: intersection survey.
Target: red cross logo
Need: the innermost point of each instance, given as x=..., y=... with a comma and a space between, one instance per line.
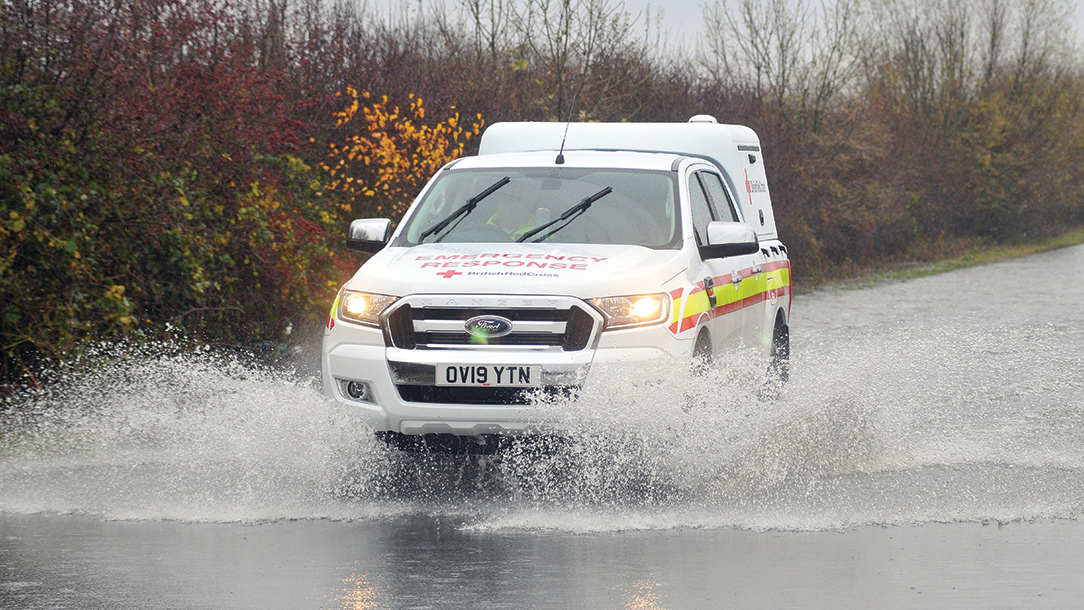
x=449, y=273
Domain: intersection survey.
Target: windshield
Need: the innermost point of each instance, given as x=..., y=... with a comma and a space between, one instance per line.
x=638, y=210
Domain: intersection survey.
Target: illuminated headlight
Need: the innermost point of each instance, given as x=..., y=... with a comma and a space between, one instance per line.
x=638, y=310
x=364, y=307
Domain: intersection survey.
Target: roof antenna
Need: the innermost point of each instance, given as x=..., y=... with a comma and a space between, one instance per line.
x=561, y=153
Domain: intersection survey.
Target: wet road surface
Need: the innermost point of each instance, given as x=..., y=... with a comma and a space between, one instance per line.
x=928, y=452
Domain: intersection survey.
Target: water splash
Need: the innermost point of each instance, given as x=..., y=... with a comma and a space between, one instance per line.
x=159, y=433
x=889, y=428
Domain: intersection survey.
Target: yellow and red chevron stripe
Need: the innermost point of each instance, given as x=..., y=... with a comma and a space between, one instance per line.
x=691, y=308
x=334, y=308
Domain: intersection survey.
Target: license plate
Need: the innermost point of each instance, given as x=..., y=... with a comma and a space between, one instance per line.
x=489, y=375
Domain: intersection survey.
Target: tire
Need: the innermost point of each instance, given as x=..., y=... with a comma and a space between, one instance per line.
x=702, y=360
x=779, y=366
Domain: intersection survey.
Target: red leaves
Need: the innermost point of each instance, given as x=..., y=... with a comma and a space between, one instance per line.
x=157, y=136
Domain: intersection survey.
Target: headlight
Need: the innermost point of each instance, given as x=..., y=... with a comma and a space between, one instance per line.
x=638, y=310
x=364, y=307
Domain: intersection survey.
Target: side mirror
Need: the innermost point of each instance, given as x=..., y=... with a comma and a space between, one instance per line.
x=368, y=235
x=729, y=239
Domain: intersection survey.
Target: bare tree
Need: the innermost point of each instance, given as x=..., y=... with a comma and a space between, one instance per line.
x=571, y=37
x=489, y=26
x=792, y=56
x=941, y=51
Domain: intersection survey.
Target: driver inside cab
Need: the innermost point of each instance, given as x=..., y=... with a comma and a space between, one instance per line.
x=516, y=217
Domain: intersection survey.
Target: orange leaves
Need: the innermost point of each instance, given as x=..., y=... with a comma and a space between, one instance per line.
x=388, y=153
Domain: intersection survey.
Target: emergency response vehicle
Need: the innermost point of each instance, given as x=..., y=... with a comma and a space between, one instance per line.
x=557, y=248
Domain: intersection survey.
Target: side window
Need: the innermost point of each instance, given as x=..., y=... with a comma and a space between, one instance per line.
x=702, y=213
x=723, y=206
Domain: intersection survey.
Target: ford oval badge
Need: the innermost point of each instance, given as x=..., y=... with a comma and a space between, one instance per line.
x=487, y=327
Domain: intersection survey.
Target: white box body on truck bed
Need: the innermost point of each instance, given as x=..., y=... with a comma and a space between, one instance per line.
x=558, y=247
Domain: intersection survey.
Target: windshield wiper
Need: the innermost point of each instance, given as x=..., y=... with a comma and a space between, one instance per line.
x=569, y=215
x=462, y=211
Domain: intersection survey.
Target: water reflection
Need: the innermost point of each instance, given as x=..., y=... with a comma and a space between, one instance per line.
x=643, y=597
x=358, y=594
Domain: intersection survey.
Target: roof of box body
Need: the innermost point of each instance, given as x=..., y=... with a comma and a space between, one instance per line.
x=578, y=158
x=716, y=142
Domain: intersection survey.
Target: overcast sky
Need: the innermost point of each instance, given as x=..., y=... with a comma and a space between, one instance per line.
x=682, y=18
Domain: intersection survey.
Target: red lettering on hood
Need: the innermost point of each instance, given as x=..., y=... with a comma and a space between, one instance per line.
x=577, y=262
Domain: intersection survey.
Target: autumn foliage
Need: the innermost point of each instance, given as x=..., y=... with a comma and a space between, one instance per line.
x=388, y=154
x=190, y=166
x=151, y=181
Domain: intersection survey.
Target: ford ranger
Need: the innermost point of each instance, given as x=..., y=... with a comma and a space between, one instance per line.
x=557, y=248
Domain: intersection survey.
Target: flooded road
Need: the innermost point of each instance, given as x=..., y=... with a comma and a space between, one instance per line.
x=928, y=452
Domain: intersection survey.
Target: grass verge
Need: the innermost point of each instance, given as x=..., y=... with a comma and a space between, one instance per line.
x=976, y=255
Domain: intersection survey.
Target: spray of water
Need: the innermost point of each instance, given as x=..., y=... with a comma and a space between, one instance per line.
x=889, y=430
x=164, y=433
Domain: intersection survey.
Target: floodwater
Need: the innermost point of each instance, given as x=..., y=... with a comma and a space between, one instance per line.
x=928, y=452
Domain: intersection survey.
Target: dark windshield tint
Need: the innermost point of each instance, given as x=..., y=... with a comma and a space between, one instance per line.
x=641, y=210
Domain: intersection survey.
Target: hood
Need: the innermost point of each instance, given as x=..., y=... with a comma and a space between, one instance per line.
x=580, y=270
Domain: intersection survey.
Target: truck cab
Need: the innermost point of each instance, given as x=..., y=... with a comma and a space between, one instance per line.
x=558, y=248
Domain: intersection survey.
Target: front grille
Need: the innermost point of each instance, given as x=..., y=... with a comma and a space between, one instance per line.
x=481, y=396
x=473, y=396
x=568, y=327
x=445, y=326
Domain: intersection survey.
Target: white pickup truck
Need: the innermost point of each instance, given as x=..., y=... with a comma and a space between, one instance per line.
x=558, y=247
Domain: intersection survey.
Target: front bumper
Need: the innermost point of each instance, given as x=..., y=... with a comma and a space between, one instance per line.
x=394, y=370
